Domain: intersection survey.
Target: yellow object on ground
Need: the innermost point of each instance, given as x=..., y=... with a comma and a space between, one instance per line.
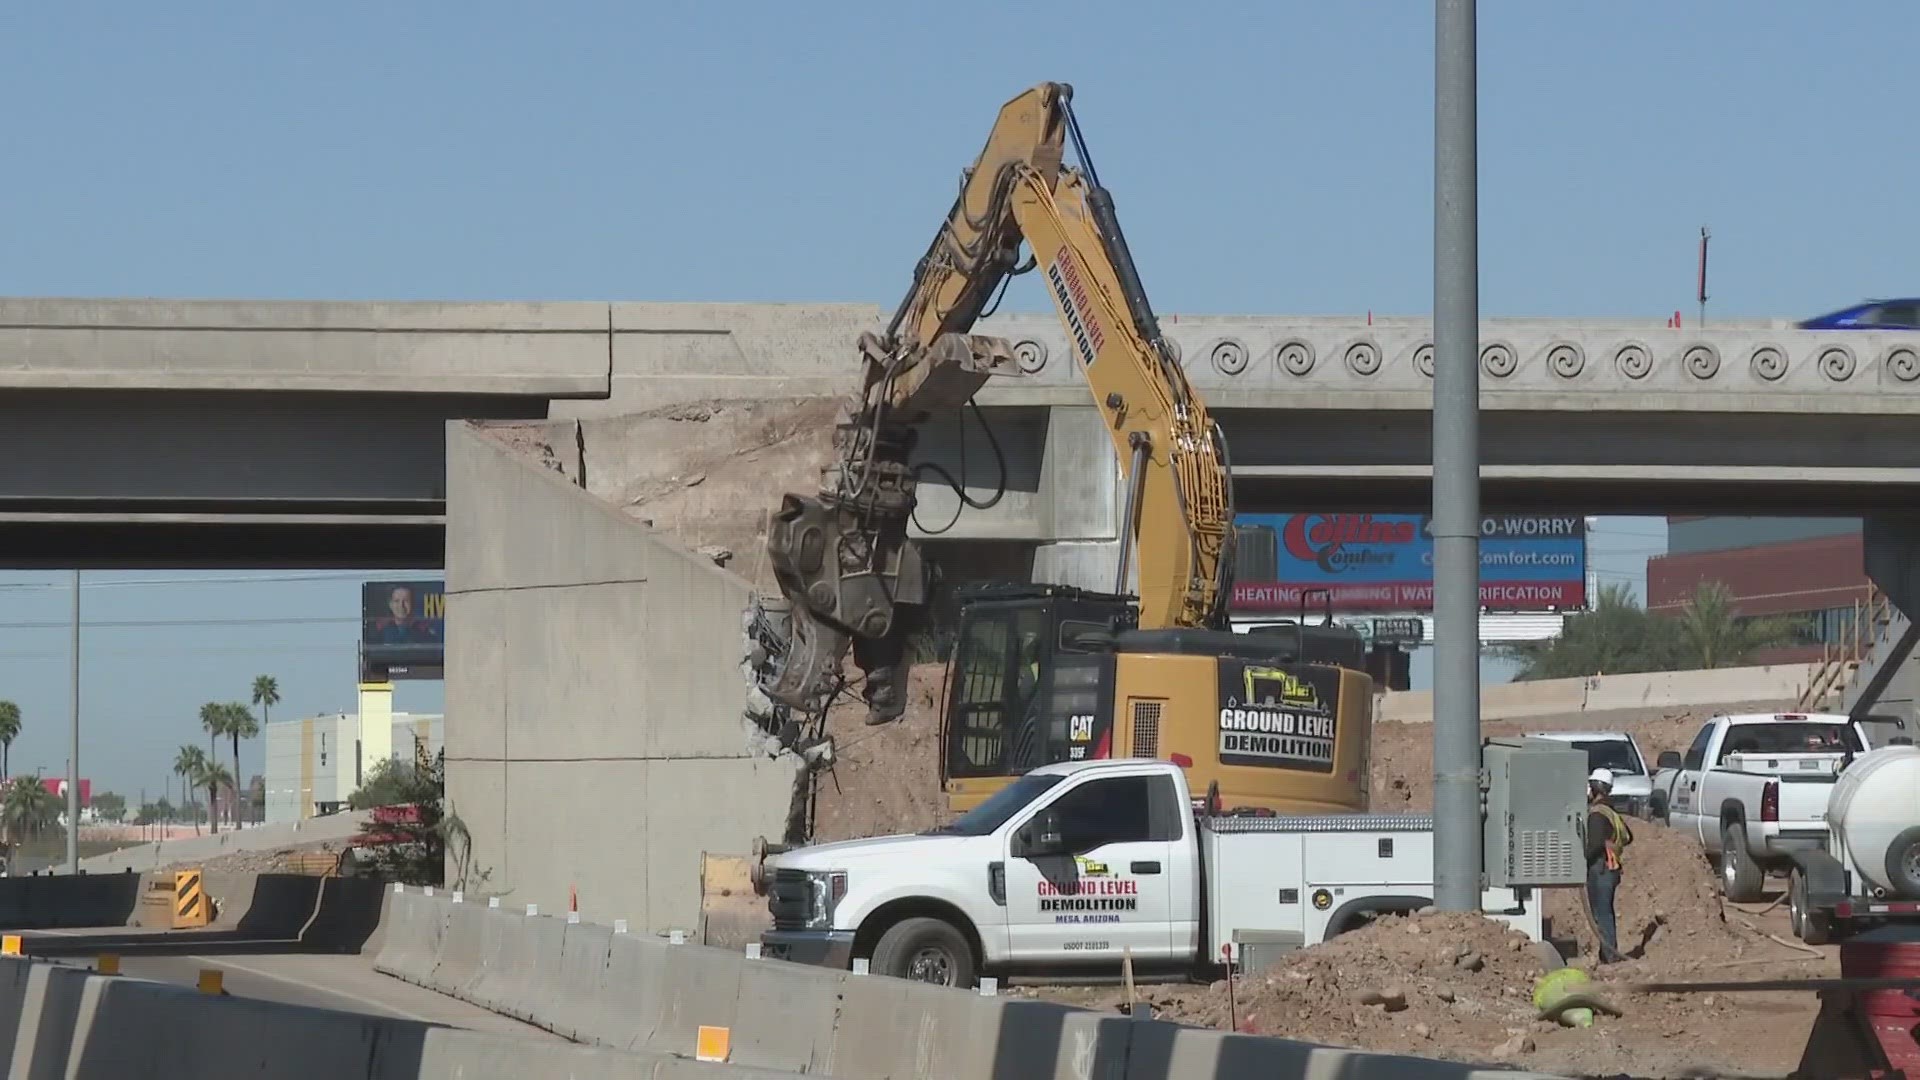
x=1555, y=986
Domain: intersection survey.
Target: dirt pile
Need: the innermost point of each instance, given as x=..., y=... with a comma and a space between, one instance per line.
x=884, y=779
x=1460, y=988
x=1401, y=984
x=1668, y=912
x=276, y=861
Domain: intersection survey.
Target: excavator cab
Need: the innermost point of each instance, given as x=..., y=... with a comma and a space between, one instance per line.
x=1048, y=673
x=1030, y=681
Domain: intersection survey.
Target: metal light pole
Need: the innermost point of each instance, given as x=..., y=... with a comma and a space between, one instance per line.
x=73, y=753
x=1456, y=461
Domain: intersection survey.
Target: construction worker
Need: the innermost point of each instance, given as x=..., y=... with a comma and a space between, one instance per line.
x=1607, y=837
x=1027, y=748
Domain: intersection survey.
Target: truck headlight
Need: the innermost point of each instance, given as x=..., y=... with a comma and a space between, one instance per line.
x=827, y=888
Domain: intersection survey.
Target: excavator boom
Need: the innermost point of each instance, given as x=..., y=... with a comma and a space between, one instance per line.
x=845, y=564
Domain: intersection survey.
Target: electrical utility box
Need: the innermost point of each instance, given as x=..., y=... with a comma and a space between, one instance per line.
x=1536, y=808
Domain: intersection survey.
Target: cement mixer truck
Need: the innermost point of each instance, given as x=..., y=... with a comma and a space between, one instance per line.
x=1869, y=872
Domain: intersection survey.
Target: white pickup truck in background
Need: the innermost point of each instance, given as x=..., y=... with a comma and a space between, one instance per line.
x=1753, y=788
x=1075, y=864
x=1618, y=753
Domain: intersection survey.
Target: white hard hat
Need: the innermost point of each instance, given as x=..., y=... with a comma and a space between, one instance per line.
x=1603, y=777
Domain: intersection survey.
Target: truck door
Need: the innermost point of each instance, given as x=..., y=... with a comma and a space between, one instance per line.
x=1110, y=891
x=1683, y=804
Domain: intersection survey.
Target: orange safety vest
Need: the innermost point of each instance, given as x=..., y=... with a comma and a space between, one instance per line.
x=1622, y=836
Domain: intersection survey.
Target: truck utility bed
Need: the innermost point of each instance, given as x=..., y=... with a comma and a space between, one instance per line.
x=1817, y=767
x=1286, y=882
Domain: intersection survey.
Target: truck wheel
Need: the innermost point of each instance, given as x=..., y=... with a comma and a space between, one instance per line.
x=1740, y=876
x=925, y=950
x=1808, y=925
x=1903, y=863
x=1657, y=808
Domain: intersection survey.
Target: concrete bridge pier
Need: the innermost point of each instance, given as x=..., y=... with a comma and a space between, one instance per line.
x=1888, y=681
x=1061, y=497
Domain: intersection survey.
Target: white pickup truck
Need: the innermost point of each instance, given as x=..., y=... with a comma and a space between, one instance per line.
x=1074, y=863
x=1753, y=788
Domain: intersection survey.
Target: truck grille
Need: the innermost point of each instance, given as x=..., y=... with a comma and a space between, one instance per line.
x=789, y=899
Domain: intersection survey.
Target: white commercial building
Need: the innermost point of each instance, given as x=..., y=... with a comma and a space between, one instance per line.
x=315, y=763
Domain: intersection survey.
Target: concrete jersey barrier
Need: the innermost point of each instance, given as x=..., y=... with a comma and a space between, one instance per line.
x=1603, y=693
x=57, y=1021
x=66, y=900
x=639, y=993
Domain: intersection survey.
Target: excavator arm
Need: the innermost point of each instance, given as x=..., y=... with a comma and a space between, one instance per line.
x=845, y=564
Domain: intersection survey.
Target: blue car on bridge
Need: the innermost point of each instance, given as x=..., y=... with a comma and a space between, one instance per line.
x=1903, y=314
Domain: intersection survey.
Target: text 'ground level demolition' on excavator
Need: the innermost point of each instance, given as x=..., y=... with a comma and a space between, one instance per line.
x=1278, y=721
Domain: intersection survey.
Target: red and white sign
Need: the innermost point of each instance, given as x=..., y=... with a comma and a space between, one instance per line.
x=57, y=785
x=1405, y=596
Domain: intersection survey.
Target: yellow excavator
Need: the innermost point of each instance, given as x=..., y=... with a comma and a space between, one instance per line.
x=1263, y=722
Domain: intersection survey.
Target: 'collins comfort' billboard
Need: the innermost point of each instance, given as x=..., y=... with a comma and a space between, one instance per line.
x=1384, y=562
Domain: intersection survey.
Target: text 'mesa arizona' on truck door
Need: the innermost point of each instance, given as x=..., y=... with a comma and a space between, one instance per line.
x=1124, y=880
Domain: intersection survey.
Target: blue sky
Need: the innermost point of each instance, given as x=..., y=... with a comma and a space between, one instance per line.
x=1265, y=158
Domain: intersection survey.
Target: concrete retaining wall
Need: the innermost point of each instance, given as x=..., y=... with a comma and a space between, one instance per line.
x=1600, y=693
x=57, y=1021
x=635, y=992
x=595, y=670
x=190, y=849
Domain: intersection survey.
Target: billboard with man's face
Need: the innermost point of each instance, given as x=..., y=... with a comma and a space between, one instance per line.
x=403, y=630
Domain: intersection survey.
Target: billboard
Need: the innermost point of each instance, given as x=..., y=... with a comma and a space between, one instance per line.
x=403, y=630
x=57, y=786
x=1384, y=562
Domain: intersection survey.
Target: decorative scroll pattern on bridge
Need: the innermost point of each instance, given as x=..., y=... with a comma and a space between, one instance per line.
x=1518, y=355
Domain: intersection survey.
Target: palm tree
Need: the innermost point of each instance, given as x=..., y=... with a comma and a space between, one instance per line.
x=213, y=776
x=266, y=694
x=240, y=724
x=1617, y=637
x=27, y=808
x=189, y=763
x=9, y=731
x=1711, y=635
x=213, y=717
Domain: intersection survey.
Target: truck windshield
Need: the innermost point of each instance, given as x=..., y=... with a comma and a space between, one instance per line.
x=1791, y=738
x=1000, y=806
x=1614, y=755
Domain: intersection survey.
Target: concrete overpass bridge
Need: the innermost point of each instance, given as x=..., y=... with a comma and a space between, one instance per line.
x=1593, y=416
x=160, y=432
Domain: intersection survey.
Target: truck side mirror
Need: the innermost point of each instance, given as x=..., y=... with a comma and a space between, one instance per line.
x=1669, y=759
x=1041, y=836
x=1048, y=839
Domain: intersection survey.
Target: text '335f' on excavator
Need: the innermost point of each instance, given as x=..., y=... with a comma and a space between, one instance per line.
x=1044, y=673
